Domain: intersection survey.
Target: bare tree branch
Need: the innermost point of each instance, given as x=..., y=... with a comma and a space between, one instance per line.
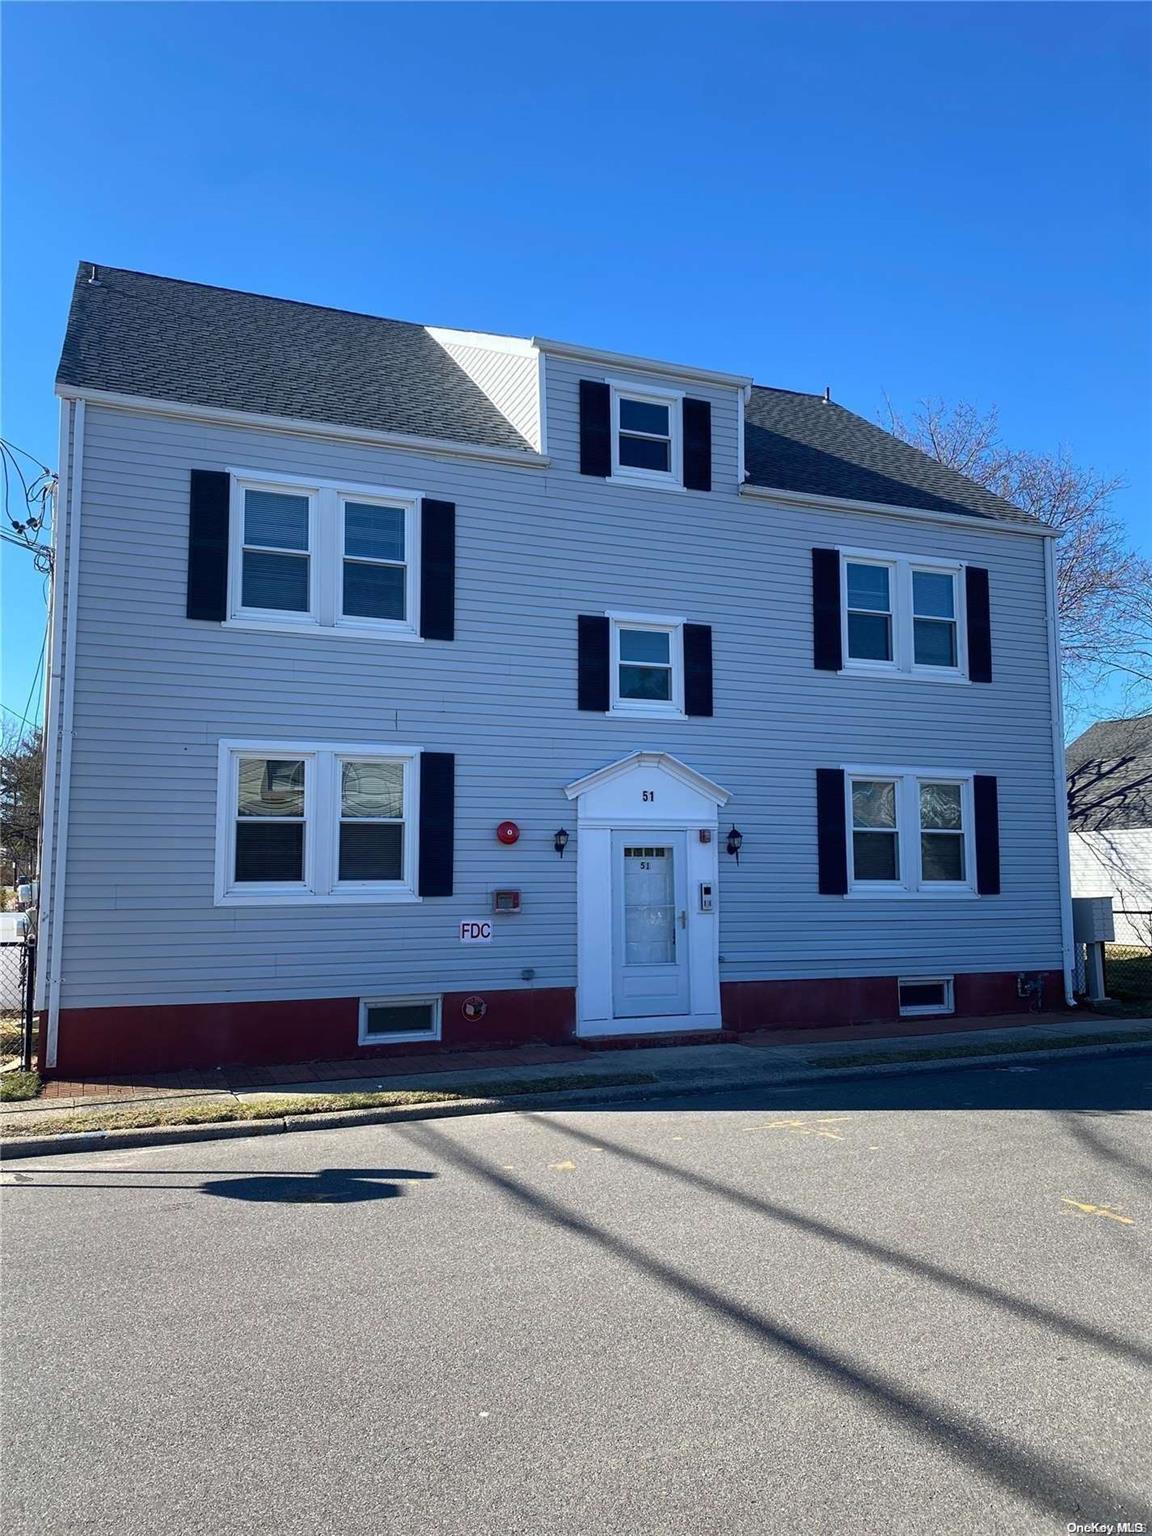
x=1104, y=587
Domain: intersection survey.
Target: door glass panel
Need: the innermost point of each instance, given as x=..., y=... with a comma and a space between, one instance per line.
x=649, y=907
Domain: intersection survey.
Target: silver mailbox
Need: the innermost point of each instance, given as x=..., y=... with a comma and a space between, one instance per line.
x=1092, y=920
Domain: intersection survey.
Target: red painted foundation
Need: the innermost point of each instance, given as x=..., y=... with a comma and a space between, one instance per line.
x=108, y=1042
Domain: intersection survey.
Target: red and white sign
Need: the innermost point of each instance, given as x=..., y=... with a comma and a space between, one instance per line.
x=477, y=932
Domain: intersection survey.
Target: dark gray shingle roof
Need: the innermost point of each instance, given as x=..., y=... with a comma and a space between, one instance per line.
x=804, y=443
x=169, y=340
x=160, y=337
x=1110, y=776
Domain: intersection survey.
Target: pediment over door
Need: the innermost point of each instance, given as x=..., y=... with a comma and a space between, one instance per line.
x=647, y=787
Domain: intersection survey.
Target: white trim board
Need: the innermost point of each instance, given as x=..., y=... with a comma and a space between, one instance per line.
x=436, y=447
x=640, y=364
x=664, y=761
x=966, y=521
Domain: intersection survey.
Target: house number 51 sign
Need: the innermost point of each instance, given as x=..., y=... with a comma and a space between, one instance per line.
x=648, y=794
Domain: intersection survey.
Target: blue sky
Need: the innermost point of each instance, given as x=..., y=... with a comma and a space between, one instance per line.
x=906, y=199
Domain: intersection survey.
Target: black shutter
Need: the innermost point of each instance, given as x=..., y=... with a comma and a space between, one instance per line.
x=697, y=445
x=595, y=428
x=832, y=832
x=208, y=545
x=697, y=669
x=827, y=652
x=979, y=615
x=438, y=570
x=986, y=799
x=437, y=822
x=593, y=689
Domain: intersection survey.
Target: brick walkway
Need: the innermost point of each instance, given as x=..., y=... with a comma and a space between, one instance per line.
x=250, y=1079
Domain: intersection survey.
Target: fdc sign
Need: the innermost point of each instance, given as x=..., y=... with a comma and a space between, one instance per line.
x=476, y=933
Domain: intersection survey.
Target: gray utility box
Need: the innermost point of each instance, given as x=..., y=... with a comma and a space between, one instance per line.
x=1092, y=920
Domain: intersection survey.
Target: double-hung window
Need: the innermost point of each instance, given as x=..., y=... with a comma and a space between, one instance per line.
x=646, y=443
x=308, y=823
x=647, y=662
x=902, y=616
x=275, y=556
x=325, y=556
x=910, y=833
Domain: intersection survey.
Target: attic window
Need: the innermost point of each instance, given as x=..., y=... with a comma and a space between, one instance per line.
x=645, y=435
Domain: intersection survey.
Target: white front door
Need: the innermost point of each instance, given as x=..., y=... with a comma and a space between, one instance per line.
x=649, y=924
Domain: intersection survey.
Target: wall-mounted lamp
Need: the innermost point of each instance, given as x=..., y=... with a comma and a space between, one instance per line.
x=560, y=842
x=735, y=842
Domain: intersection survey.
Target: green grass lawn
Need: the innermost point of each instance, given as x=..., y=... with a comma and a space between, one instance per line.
x=189, y=1112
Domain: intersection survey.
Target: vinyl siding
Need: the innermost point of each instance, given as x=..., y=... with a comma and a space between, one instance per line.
x=509, y=379
x=1117, y=864
x=156, y=692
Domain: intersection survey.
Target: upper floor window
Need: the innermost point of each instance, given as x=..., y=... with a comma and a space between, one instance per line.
x=308, y=822
x=323, y=555
x=902, y=615
x=647, y=665
x=646, y=434
x=909, y=833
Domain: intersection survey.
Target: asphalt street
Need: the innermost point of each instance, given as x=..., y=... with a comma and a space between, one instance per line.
x=891, y=1305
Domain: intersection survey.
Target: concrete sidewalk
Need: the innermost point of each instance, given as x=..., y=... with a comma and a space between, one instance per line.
x=768, y=1059
x=360, y=1073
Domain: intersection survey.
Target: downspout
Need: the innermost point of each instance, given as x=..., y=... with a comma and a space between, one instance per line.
x=1063, y=855
x=742, y=400
x=64, y=681
x=52, y=712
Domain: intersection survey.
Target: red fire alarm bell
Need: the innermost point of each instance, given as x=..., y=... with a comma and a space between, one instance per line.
x=508, y=832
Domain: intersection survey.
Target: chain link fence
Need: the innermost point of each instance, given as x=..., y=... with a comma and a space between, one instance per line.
x=1128, y=966
x=17, y=975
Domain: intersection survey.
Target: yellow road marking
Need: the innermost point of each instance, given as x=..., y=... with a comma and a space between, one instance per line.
x=565, y=1167
x=804, y=1127
x=1099, y=1210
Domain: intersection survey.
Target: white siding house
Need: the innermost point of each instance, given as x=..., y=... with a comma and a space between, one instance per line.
x=1110, y=812
x=338, y=598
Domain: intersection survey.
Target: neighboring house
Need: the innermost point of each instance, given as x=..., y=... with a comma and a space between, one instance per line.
x=1110, y=821
x=770, y=696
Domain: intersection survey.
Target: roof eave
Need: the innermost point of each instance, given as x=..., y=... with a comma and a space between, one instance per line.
x=300, y=426
x=882, y=508
x=640, y=364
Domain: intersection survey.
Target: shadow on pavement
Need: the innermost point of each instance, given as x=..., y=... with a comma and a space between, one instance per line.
x=328, y=1186
x=1049, y=1484
x=1116, y=1082
x=1081, y=1126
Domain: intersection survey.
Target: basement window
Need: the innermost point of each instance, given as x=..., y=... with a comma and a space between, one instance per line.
x=925, y=994
x=392, y=1020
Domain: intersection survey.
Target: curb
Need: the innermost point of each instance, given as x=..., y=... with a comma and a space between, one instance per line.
x=584, y=1098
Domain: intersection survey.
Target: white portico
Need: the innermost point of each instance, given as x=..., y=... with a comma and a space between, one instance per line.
x=647, y=902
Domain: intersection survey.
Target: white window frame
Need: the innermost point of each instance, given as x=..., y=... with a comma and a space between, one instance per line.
x=648, y=394
x=903, y=663
x=919, y=1011
x=322, y=803
x=436, y=1003
x=647, y=709
x=325, y=614
x=910, y=881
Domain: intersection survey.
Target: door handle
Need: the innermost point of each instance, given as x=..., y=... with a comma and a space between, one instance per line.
x=684, y=919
